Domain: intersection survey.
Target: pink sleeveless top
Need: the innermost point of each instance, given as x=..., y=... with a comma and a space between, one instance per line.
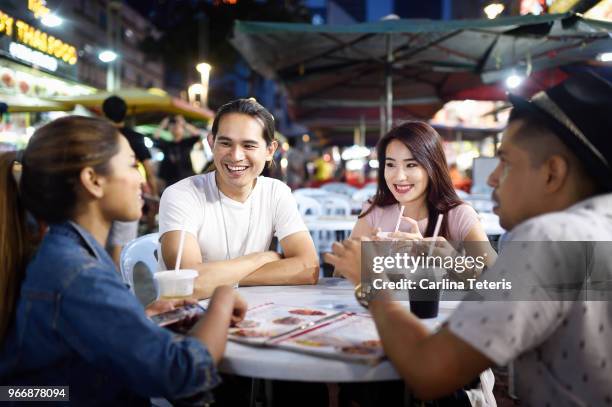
x=461, y=219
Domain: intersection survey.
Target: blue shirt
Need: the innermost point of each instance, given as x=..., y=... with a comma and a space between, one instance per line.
x=78, y=325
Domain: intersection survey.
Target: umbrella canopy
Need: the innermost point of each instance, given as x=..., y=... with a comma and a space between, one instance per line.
x=141, y=101
x=24, y=103
x=330, y=69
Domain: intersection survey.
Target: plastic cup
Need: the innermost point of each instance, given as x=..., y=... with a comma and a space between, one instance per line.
x=424, y=303
x=174, y=284
x=385, y=236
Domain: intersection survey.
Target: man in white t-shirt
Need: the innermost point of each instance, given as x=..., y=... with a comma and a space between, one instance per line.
x=553, y=190
x=232, y=213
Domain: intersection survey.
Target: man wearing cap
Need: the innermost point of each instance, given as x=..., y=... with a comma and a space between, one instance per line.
x=553, y=184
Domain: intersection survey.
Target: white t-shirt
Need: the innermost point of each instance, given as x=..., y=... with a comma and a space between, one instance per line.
x=270, y=210
x=562, y=350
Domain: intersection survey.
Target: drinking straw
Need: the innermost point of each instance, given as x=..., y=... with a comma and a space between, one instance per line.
x=180, y=250
x=435, y=235
x=399, y=219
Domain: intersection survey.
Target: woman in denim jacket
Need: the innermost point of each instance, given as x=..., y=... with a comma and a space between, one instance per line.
x=66, y=318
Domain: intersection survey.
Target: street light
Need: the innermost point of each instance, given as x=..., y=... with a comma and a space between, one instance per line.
x=52, y=20
x=493, y=10
x=204, y=69
x=107, y=56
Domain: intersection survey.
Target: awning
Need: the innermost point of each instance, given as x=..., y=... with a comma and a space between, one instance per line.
x=425, y=63
x=23, y=103
x=141, y=101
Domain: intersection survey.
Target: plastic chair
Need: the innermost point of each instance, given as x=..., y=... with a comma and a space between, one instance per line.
x=310, y=192
x=481, y=205
x=308, y=206
x=336, y=205
x=138, y=262
x=339, y=188
x=363, y=194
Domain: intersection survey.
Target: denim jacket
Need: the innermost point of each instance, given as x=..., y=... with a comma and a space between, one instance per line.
x=78, y=325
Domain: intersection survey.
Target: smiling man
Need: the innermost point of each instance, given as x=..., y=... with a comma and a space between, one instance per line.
x=232, y=213
x=553, y=185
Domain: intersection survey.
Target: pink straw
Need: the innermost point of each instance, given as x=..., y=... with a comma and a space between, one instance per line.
x=435, y=235
x=399, y=219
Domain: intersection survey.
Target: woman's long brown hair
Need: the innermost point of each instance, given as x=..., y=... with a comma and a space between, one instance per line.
x=47, y=192
x=425, y=145
x=14, y=240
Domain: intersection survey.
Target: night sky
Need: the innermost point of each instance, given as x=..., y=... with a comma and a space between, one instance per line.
x=375, y=8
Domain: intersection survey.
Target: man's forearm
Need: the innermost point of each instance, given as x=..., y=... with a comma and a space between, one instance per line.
x=291, y=271
x=226, y=272
x=432, y=365
x=402, y=335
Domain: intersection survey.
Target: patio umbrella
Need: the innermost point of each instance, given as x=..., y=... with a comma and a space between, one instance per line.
x=411, y=67
x=141, y=101
x=23, y=103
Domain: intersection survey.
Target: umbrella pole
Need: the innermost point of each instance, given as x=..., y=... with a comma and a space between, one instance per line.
x=389, y=84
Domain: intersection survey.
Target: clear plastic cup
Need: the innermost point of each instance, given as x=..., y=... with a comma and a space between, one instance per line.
x=173, y=284
x=385, y=235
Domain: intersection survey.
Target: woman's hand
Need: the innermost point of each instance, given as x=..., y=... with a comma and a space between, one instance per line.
x=442, y=247
x=229, y=301
x=161, y=306
x=413, y=234
x=346, y=259
x=226, y=307
x=239, y=308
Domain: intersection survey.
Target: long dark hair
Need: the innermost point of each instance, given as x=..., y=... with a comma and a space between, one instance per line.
x=425, y=145
x=50, y=168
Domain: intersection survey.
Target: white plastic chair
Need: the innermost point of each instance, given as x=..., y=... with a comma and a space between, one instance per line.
x=339, y=188
x=481, y=205
x=335, y=205
x=363, y=194
x=310, y=192
x=308, y=206
x=138, y=263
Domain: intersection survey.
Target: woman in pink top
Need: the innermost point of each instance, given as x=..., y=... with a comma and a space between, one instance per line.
x=413, y=173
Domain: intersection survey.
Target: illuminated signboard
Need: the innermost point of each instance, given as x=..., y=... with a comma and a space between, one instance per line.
x=38, y=7
x=26, y=54
x=41, y=43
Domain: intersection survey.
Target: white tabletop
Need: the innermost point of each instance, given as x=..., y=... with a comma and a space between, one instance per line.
x=270, y=363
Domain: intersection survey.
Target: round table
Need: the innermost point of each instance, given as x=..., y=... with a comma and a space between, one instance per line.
x=277, y=364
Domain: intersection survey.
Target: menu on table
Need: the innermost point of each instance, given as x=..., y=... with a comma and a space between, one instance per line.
x=321, y=332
